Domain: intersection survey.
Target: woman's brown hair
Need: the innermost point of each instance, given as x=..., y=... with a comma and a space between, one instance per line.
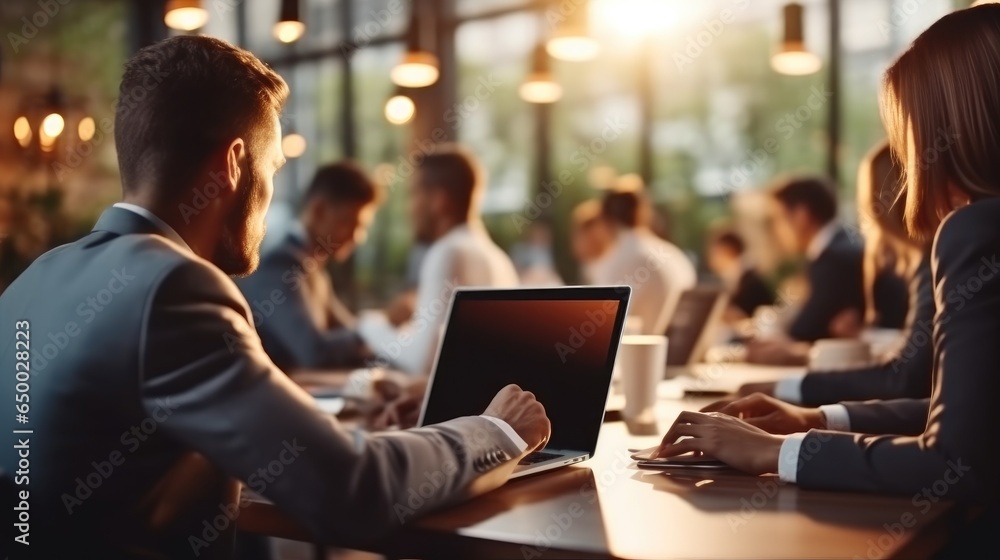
x=940, y=102
x=881, y=203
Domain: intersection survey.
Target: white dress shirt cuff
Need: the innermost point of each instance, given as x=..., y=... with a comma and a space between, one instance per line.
x=837, y=418
x=789, y=389
x=788, y=457
x=509, y=432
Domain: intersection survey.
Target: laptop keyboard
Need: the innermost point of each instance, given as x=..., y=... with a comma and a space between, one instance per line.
x=538, y=457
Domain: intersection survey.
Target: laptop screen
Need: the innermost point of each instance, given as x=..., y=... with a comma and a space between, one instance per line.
x=559, y=343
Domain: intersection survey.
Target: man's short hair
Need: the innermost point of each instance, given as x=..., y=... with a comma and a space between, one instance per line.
x=184, y=97
x=343, y=182
x=455, y=170
x=626, y=204
x=728, y=238
x=815, y=194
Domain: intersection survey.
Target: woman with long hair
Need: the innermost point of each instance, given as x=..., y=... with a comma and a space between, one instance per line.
x=940, y=104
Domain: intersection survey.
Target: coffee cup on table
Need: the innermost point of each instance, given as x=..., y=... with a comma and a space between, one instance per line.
x=642, y=363
x=839, y=354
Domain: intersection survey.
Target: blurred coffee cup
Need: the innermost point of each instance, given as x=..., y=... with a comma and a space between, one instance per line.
x=839, y=354
x=642, y=361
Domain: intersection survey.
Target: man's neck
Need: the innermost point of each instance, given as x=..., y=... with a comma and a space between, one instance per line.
x=190, y=227
x=446, y=226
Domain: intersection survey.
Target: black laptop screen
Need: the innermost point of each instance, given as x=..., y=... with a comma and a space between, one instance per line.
x=562, y=350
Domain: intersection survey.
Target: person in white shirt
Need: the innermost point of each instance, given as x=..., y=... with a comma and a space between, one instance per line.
x=657, y=270
x=444, y=192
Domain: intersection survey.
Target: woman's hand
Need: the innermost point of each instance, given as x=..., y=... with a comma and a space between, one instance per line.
x=725, y=438
x=771, y=415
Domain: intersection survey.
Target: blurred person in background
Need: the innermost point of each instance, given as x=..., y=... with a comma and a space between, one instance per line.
x=657, y=270
x=727, y=258
x=590, y=237
x=445, y=194
x=806, y=209
x=301, y=322
x=533, y=257
x=905, y=370
x=939, y=91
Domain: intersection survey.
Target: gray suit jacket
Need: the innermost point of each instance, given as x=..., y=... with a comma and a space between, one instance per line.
x=282, y=316
x=150, y=394
x=956, y=455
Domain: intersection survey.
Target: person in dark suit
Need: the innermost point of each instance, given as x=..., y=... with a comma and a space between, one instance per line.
x=301, y=323
x=935, y=101
x=905, y=372
x=726, y=257
x=150, y=393
x=807, y=207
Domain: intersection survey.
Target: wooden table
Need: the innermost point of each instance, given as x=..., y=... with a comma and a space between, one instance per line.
x=606, y=507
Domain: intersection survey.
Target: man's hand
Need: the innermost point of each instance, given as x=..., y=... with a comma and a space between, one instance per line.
x=774, y=416
x=523, y=413
x=725, y=438
x=401, y=309
x=401, y=410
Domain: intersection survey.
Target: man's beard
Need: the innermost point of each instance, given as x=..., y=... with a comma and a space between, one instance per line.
x=238, y=253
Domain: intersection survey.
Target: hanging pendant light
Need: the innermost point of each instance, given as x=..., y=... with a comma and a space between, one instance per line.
x=185, y=15
x=539, y=87
x=419, y=67
x=571, y=40
x=289, y=27
x=400, y=108
x=792, y=57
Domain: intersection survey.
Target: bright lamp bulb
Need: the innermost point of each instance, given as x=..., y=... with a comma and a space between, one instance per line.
x=86, y=128
x=289, y=31
x=416, y=70
x=186, y=19
x=399, y=109
x=52, y=125
x=796, y=63
x=575, y=49
x=22, y=131
x=540, y=89
x=293, y=145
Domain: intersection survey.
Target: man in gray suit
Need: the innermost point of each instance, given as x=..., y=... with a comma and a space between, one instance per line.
x=146, y=393
x=300, y=321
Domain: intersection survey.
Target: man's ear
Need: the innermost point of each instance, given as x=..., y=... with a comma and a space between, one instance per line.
x=235, y=156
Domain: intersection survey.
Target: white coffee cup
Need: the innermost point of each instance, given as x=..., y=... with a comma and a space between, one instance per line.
x=642, y=361
x=839, y=354
x=766, y=322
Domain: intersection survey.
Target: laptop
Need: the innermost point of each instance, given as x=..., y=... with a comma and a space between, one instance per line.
x=693, y=324
x=558, y=343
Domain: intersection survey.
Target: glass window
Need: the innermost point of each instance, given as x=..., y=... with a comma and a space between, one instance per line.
x=322, y=19
x=489, y=116
x=381, y=263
